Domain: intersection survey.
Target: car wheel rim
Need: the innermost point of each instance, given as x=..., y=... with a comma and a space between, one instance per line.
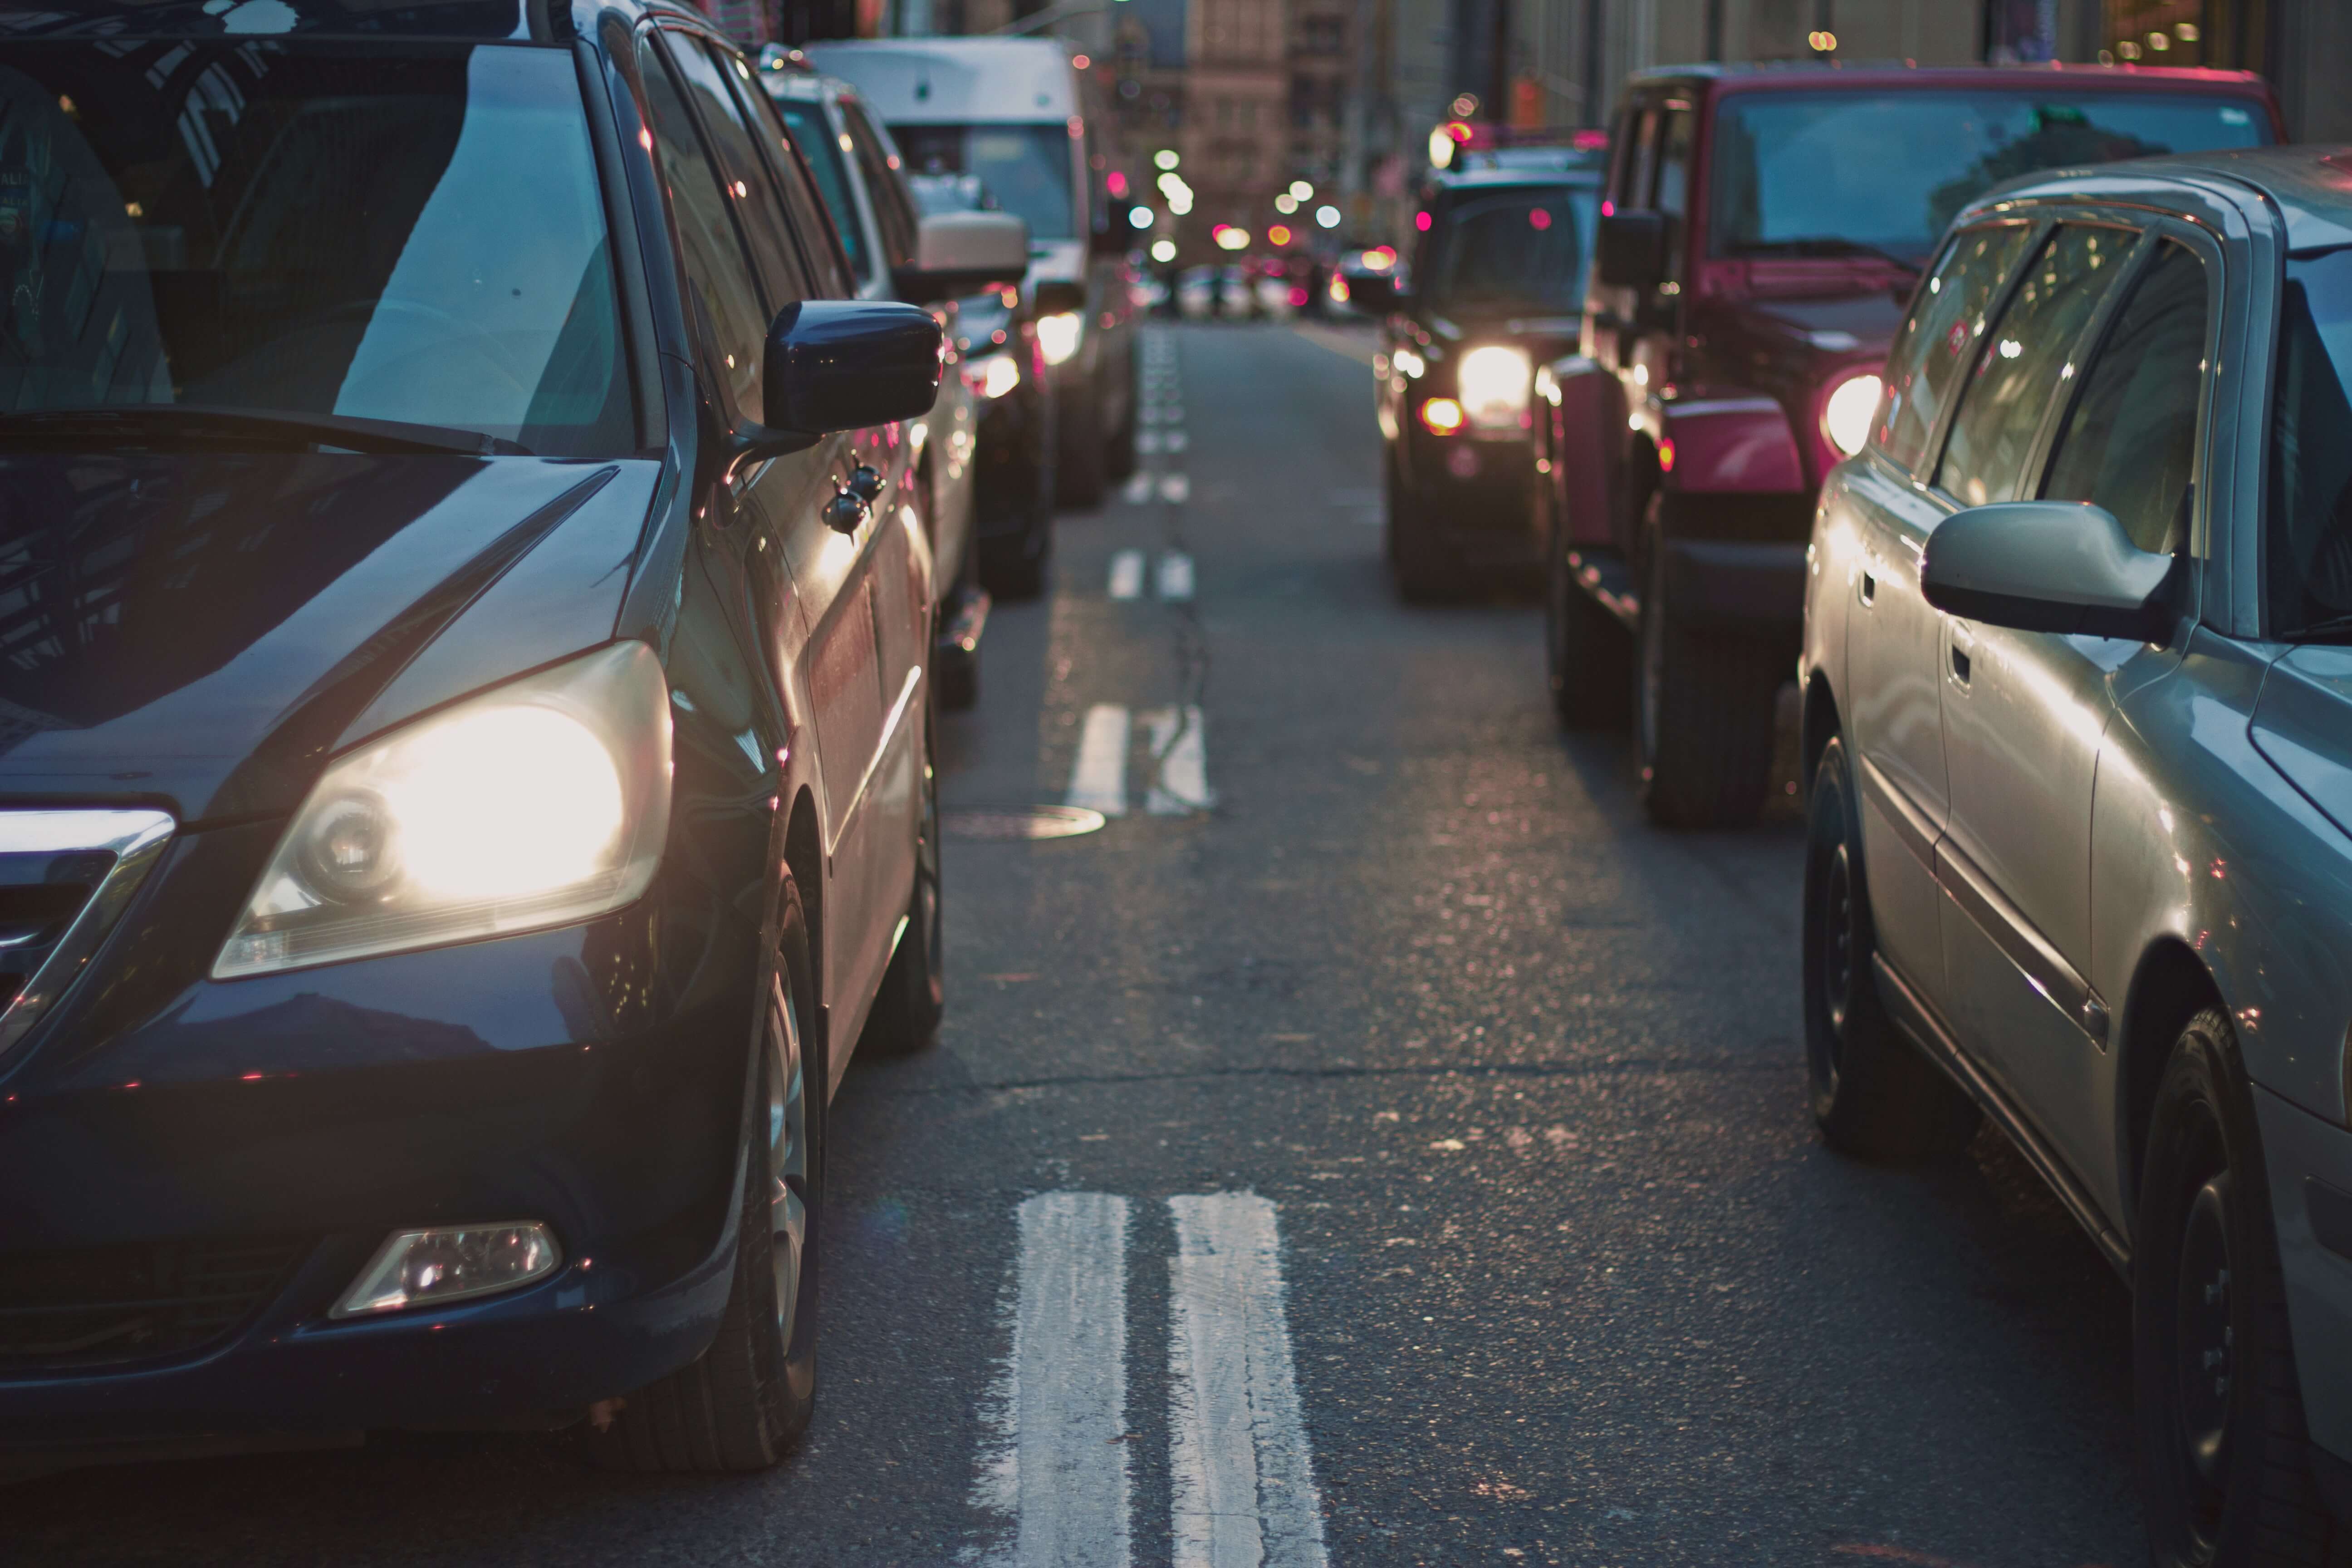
x=1837, y=946
x=927, y=904
x=2204, y=1361
x=787, y=1152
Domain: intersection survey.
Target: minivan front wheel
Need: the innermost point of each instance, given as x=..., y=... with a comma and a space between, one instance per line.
x=2224, y=1467
x=745, y=1401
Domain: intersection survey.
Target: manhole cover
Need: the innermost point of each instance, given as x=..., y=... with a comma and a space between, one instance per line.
x=1021, y=822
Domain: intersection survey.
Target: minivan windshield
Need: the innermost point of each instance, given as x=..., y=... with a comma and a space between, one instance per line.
x=1824, y=173
x=251, y=240
x=1027, y=167
x=1516, y=250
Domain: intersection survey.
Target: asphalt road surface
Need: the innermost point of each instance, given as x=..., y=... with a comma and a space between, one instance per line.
x=1375, y=1146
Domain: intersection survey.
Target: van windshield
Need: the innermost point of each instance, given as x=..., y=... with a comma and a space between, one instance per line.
x=1513, y=251
x=1823, y=173
x=275, y=229
x=1027, y=167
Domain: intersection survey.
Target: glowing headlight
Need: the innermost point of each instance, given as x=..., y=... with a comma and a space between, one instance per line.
x=1057, y=335
x=538, y=804
x=1001, y=376
x=1494, y=384
x=1845, y=417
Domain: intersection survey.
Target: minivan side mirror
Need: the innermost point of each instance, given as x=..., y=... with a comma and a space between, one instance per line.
x=958, y=254
x=1630, y=250
x=2048, y=566
x=842, y=364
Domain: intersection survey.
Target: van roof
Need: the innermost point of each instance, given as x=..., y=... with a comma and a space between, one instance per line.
x=956, y=81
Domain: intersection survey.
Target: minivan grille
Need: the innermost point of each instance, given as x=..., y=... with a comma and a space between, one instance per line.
x=102, y=1305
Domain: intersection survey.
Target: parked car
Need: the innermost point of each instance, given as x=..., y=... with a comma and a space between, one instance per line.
x=1764, y=229
x=1016, y=112
x=995, y=340
x=887, y=240
x=2096, y=535
x=1236, y=291
x=1497, y=277
x=1196, y=292
x=477, y=790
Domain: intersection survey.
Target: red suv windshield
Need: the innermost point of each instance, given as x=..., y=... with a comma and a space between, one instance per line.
x=1824, y=173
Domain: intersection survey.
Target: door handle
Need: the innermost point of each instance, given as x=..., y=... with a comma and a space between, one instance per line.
x=843, y=511
x=1959, y=664
x=1869, y=586
x=865, y=483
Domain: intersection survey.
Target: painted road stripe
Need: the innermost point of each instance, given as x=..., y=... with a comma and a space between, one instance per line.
x=1098, y=778
x=1138, y=489
x=1175, y=582
x=1180, y=745
x=1242, y=1475
x=1057, y=1471
x=1176, y=441
x=1149, y=441
x=1175, y=486
x=1127, y=574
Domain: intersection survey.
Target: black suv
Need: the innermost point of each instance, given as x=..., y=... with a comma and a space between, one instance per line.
x=1492, y=292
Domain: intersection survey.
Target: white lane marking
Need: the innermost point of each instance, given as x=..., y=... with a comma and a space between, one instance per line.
x=1180, y=746
x=1057, y=1471
x=1098, y=778
x=1126, y=574
x=1149, y=441
x=1244, y=1478
x=1170, y=413
x=1177, y=441
x=1175, y=582
x=1136, y=491
x=1175, y=486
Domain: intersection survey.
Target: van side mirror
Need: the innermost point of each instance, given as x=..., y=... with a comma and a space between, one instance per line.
x=958, y=254
x=2048, y=566
x=1630, y=250
x=841, y=364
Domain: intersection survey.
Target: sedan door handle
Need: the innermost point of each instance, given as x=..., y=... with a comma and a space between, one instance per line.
x=1869, y=586
x=1959, y=664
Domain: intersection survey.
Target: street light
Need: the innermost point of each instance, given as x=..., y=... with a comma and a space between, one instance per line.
x=1328, y=216
x=1301, y=191
x=1166, y=158
x=1163, y=250
x=1285, y=203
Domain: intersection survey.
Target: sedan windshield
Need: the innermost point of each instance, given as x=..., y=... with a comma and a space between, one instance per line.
x=209, y=232
x=1519, y=250
x=1027, y=167
x=1831, y=174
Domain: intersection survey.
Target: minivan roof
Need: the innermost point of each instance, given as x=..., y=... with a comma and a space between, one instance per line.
x=956, y=81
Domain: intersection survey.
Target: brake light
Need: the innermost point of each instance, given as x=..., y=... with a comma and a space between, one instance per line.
x=1441, y=416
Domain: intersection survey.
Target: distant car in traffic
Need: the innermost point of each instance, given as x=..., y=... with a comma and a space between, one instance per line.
x=887, y=240
x=477, y=790
x=2077, y=680
x=1017, y=113
x=1763, y=229
x=1493, y=291
x=1196, y=292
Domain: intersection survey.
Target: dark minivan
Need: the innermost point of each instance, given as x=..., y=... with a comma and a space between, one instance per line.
x=1762, y=230
x=465, y=754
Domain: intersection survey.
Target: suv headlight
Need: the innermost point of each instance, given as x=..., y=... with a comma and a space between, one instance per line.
x=1494, y=383
x=1846, y=412
x=538, y=804
x=1059, y=335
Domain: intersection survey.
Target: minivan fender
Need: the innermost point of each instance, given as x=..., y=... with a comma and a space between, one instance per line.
x=1718, y=443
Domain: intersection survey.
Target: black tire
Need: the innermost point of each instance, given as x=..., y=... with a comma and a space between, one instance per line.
x=1426, y=572
x=1587, y=656
x=1083, y=480
x=955, y=676
x=2224, y=1468
x=913, y=997
x=1873, y=1095
x=1704, y=713
x=1010, y=569
x=744, y=1402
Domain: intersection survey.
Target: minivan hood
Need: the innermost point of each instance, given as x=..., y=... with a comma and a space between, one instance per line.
x=2303, y=724
x=197, y=630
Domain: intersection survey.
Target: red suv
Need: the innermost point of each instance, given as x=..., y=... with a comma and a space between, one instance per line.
x=1760, y=235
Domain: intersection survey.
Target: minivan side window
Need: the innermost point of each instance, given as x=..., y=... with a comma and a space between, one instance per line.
x=2019, y=366
x=1937, y=338
x=1673, y=198
x=2129, y=442
x=891, y=212
x=777, y=258
x=722, y=301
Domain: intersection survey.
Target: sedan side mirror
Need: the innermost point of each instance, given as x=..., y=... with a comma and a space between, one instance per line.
x=2048, y=566
x=841, y=364
x=958, y=254
x=1630, y=250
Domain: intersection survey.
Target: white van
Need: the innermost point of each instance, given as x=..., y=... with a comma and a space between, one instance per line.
x=1017, y=113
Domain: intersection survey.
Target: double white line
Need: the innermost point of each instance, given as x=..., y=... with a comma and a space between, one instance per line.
x=1179, y=742
x=1173, y=582
x=1057, y=1475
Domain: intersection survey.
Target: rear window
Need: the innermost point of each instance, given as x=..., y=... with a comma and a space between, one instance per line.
x=1027, y=166
x=1510, y=250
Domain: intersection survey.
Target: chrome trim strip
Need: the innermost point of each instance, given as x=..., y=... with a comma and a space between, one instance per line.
x=2005, y=925
x=137, y=840
x=898, y=716
x=1912, y=828
x=1919, y=1024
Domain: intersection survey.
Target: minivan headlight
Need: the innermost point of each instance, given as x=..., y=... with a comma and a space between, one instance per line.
x=538, y=804
x=1494, y=383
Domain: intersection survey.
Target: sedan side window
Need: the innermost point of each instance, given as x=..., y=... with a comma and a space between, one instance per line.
x=2130, y=442
x=2025, y=361
x=1938, y=337
x=763, y=220
x=722, y=301
x=892, y=213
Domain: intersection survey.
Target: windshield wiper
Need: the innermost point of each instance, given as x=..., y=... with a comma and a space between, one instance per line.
x=2330, y=628
x=171, y=425
x=1824, y=245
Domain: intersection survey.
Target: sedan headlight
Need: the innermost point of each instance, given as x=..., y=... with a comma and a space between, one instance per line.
x=1494, y=381
x=1846, y=412
x=538, y=804
x=1057, y=335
